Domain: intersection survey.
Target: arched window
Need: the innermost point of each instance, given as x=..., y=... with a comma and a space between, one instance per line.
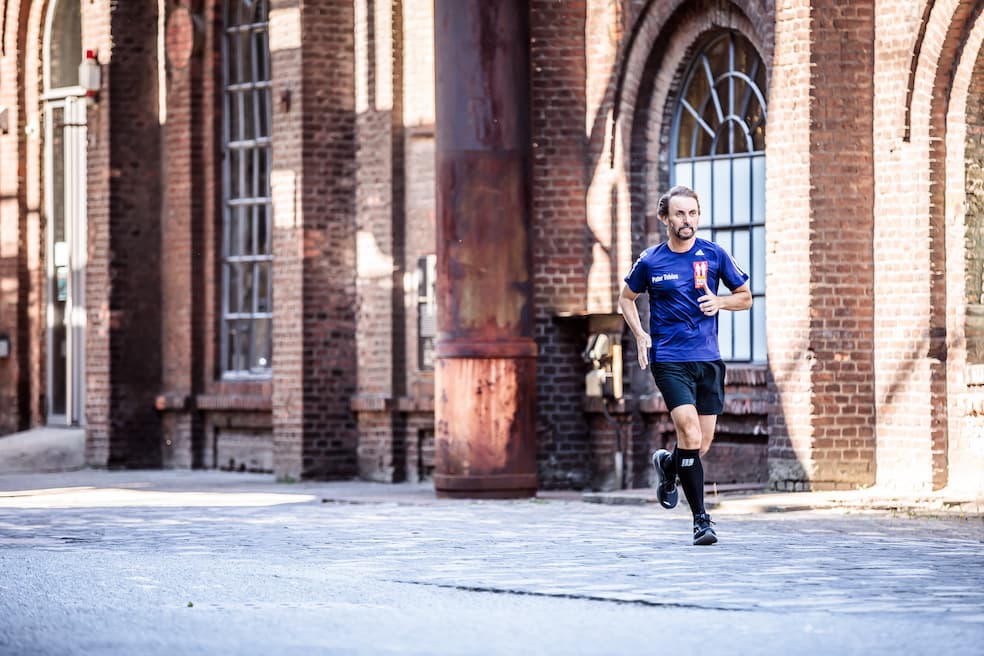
x=64, y=52
x=65, y=139
x=247, y=245
x=718, y=149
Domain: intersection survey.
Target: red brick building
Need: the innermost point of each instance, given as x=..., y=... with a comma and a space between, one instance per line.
x=229, y=251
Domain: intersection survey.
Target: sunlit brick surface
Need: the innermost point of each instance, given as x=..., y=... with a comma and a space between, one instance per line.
x=875, y=325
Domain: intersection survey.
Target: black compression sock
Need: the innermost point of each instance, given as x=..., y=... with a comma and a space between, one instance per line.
x=670, y=465
x=691, y=473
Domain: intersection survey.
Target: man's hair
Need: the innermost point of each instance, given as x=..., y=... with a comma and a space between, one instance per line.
x=663, y=207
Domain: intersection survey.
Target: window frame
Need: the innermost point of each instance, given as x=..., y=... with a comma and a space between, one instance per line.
x=241, y=211
x=723, y=122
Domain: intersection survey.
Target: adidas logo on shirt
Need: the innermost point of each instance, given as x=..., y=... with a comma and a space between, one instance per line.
x=699, y=252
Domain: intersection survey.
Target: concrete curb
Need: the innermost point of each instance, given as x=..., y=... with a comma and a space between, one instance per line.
x=937, y=504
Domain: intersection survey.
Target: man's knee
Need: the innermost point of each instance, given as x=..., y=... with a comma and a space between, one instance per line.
x=687, y=425
x=707, y=425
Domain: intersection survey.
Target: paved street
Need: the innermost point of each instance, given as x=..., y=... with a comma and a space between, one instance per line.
x=213, y=563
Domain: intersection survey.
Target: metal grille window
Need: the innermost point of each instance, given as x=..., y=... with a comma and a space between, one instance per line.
x=718, y=149
x=247, y=252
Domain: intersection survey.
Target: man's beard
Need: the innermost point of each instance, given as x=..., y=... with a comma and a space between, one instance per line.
x=680, y=235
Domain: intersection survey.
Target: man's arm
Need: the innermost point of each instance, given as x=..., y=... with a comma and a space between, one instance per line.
x=740, y=299
x=626, y=303
x=710, y=303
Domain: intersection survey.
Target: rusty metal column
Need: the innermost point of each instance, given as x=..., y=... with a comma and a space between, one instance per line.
x=485, y=382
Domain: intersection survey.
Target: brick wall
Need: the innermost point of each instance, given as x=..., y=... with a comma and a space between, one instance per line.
x=286, y=189
x=22, y=227
x=973, y=246
x=606, y=212
x=940, y=318
x=842, y=268
x=788, y=189
x=867, y=248
x=917, y=44
x=558, y=83
x=181, y=247
x=373, y=197
x=396, y=397
x=123, y=276
x=965, y=239
x=14, y=282
x=819, y=259
x=207, y=269
x=206, y=273
x=99, y=449
x=330, y=436
x=608, y=434
x=379, y=233
x=900, y=247
x=135, y=238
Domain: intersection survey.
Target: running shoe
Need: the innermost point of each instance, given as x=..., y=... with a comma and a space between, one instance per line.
x=666, y=488
x=703, y=532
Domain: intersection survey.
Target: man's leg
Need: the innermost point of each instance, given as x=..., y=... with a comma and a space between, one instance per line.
x=710, y=403
x=707, y=425
x=676, y=383
x=686, y=458
x=688, y=426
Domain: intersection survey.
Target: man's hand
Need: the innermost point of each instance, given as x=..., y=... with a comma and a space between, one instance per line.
x=710, y=303
x=643, y=343
x=626, y=303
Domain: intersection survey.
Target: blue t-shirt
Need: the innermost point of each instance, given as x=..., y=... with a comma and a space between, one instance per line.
x=680, y=331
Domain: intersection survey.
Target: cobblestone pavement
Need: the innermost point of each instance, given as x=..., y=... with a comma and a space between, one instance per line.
x=113, y=570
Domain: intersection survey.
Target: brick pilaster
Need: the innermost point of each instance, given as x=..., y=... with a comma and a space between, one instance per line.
x=313, y=187
x=820, y=268
x=181, y=218
x=15, y=369
x=123, y=360
x=558, y=80
x=379, y=236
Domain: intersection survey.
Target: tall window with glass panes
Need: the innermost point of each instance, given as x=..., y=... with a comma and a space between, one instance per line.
x=247, y=249
x=718, y=149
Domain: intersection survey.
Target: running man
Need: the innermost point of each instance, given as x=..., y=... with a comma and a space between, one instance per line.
x=682, y=276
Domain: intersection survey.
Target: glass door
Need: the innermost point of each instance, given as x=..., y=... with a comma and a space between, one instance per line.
x=65, y=150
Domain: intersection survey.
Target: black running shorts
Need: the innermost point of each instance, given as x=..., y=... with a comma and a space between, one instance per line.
x=699, y=384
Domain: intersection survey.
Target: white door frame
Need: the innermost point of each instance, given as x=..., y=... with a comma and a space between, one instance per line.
x=71, y=253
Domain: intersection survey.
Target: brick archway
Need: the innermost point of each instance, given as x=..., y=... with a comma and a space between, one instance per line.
x=665, y=39
x=953, y=53
x=961, y=175
x=652, y=68
x=22, y=213
x=920, y=139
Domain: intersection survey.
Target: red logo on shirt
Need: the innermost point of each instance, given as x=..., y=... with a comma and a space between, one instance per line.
x=700, y=274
